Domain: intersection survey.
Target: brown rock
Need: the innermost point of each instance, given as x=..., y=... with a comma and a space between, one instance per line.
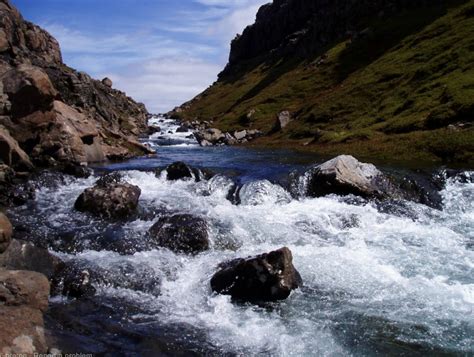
x=24, y=298
x=267, y=277
x=21, y=287
x=6, y=231
x=22, y=255
x=29, y=89
x=11, y=153
x=4, y=45
x=107, y=82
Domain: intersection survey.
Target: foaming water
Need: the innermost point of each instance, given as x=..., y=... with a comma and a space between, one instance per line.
x=373, y=281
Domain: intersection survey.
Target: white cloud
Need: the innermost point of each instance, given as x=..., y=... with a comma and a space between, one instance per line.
x=151, y=64
x=166, y=82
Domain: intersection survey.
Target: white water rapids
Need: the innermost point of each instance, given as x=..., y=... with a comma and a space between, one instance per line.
x=372, y=280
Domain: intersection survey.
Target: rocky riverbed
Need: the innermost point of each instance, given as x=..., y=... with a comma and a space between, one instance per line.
x=226, y=248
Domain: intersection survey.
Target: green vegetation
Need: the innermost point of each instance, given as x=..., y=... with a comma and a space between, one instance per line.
x=403, y=91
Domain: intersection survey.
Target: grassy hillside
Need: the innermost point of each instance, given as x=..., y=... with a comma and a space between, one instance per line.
x=403, y=91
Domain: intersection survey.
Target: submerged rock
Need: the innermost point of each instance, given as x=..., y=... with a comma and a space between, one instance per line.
x=181, y=233
x=116, y=200
x=6, y=231
x=346, y=175
x=261, y=192
x=266, y=277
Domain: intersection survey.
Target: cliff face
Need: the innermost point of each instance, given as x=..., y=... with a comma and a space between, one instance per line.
x=50, y=113
x=303, y=27
x=388, y=79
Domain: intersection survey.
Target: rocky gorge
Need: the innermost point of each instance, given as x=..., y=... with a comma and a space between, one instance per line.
x=210, y=247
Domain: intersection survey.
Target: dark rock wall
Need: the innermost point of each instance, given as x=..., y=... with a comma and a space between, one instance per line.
x=306, y=26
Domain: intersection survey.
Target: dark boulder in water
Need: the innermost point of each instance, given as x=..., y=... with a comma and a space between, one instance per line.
x=179, y=171
x=181, y=233
x=79, y=171
x=266, y=277
x=115, y=200
x=71, y=281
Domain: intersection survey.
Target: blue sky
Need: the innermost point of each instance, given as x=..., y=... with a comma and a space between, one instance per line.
x=161, y=52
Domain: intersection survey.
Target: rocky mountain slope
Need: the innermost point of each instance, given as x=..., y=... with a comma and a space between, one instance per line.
x=387, y=79
x=51, y=114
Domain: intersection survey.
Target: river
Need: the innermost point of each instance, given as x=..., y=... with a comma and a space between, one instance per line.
x=377, y=281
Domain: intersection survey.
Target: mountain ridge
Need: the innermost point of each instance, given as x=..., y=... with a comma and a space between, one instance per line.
x=396, y=86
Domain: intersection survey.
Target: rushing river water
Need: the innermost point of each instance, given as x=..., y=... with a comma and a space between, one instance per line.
x=376, y=281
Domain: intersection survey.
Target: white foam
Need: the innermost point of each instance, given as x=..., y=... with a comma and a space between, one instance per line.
x=406, y=270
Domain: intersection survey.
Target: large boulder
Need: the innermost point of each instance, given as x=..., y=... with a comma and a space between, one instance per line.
x=6, y=231
x=211, y=135
x=266, y=277
x=346, y=175
x=181, y=233
x=24, y=298
x=116, y=201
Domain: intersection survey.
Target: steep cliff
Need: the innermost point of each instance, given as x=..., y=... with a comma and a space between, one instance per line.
x=391, y=79
x=51, y=114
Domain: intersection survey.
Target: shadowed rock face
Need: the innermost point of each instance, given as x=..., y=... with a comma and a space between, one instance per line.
x=267, y=277
x=305, y=26
x=55, y=113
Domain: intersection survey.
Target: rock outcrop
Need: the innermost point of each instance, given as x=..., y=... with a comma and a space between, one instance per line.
x=23, y=300
x=114, y=200
x=267, y=277
x=50, y=113
x=181, y=233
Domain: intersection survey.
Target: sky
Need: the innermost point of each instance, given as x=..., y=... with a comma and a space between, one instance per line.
x=160, y=52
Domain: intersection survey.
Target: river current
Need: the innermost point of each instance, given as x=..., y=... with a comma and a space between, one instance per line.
x=377, y=281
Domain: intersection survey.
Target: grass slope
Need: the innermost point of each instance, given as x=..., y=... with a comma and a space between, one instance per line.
x=398, y=93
